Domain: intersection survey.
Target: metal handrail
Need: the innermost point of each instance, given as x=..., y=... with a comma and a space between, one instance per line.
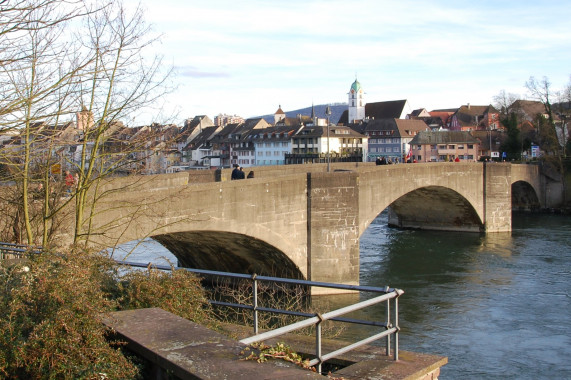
x=17, y=249
x=391, y=326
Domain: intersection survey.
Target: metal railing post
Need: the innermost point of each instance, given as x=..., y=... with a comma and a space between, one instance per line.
x=396, y=349
x=318, y=342
x=255, y=302
x=388, y=345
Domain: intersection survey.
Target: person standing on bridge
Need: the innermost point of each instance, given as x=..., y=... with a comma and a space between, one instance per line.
x=235, y=172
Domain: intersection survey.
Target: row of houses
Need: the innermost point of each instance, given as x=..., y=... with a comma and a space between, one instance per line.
x=363, y=132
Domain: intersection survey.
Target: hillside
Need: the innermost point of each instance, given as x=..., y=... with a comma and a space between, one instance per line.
x=336, y=110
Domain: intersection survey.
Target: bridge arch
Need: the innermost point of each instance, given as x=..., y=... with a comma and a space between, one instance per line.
x=228, y=252
x=526, y=187
x=524, y=197
x=442, y=194
x=432, y=207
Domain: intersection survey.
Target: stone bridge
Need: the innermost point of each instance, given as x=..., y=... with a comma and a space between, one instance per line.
x=301, y=221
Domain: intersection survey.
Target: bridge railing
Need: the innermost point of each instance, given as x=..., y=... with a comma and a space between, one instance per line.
x=11, y=251
x=388, y=296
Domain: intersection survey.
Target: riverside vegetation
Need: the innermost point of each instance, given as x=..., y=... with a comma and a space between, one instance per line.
x=52, y=306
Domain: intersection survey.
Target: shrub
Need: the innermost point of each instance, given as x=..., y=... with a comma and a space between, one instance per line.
x=52, y=307
x=51, y=325
x=177, y=291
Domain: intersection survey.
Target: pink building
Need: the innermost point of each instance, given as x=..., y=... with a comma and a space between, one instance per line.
x=444, y=146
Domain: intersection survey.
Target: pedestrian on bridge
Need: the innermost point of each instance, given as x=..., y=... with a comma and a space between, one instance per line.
x=235, y=173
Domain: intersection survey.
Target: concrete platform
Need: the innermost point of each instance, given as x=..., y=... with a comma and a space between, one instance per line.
x=364, y=363
x=192, y=351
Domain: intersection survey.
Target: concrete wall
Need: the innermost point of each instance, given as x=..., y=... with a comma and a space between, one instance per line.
x=273, y=211
x=280, y=170
x=333, y=227
x=497, y=197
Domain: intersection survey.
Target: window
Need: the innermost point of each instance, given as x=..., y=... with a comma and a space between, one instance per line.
x=470, y=146
x=461, y=146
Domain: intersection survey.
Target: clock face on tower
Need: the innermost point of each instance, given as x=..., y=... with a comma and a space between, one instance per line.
x=352, y=91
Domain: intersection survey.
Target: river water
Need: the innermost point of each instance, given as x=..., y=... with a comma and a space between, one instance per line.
x=498, y=306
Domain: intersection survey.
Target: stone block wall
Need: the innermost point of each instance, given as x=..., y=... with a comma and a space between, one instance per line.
x=333, y=227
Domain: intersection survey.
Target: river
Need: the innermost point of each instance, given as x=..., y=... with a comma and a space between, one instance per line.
x=498, y=305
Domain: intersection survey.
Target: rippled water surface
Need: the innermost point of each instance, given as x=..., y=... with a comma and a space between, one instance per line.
x=498, y=306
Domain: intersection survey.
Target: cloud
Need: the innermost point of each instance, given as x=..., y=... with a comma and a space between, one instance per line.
x=193, y=72
x=248, y=57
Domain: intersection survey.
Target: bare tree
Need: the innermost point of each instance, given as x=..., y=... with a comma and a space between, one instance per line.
x=45, y=77
x=119, y=81
x=504, y=102
x=541, y=91
x=36, y=72
x=564, y=111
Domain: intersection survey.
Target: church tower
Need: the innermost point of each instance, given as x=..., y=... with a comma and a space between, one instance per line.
x=279, y=115
x=84, y=119
x=356, y=102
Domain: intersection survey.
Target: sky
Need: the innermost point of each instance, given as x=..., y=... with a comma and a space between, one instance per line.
x=249, y=57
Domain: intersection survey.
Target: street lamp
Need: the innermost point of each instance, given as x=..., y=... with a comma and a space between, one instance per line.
x=564, y=133
x=490, y=143
x=328, y=113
